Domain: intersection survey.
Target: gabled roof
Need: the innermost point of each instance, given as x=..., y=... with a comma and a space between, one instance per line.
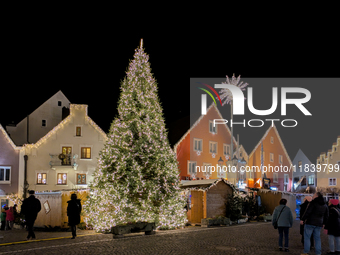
x=65, y=121
x=278, y=136
x=301, y=153
x=10, y=141
x=204, y=184
x=212, y=106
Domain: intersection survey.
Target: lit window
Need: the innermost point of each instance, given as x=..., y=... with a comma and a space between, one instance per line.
x=5, y=174
x=78, y=131
x=41, y=178
x=311, y=179
x=85, y=152
x=81, y=178
x=62, y=179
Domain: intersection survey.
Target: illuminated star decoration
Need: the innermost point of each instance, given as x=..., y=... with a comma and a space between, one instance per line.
x=226, y=95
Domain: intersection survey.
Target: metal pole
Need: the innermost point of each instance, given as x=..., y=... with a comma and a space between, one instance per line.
x=25, y=178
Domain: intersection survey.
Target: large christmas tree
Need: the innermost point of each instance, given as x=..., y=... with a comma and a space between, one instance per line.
x=137, y=177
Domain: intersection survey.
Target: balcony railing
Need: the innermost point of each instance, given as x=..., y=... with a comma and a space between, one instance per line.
x=61, y=160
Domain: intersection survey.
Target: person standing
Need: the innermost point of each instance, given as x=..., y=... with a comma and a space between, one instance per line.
x=333, y=226
x=10, y=218
x=283, y=217
x=73, y=213
x=303, y=208
x=31, y=206
x=314, y=218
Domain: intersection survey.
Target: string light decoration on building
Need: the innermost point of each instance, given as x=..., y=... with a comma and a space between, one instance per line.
x=137, y=177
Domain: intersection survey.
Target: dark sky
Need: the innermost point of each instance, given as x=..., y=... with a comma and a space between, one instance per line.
x=88, y=63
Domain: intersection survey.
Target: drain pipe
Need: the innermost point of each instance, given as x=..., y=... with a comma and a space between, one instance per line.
x=25, y=178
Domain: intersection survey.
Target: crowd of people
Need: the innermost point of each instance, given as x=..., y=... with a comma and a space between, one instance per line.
x=30, y=208
x=315, y=215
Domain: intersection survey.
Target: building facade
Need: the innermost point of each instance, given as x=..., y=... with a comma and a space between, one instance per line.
x=205, y=148
x=66, y=157
x=11, y=167
x=302, y=176
x=328, y=174
x=41, y=121
x=270, y=163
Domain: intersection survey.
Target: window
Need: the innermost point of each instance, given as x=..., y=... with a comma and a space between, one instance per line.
x=311, y=179
x=304, y=181
x=62, y=179
x=332, y=181
x=213, y=147
x=271, y=157
x=78, y=131
x=226, y=149
x=300, y=165
x=85, y=152
x=285, y=182
x=41, y=178
x=5, y=174
x=212, y=128
x=280, y=159
x=43, y=123
x=81, y=178
x=59, y=103
x=198, y=144
x=272, y=140
x=191, y=167
x=67, y=152
x=275, y=177
x=207, y=168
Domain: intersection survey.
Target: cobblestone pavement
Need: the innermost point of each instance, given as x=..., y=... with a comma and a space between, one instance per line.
x=249, y=238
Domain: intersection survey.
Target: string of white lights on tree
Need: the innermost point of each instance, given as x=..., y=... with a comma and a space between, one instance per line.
x=137, y=178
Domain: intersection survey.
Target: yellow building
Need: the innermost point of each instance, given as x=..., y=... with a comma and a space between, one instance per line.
x=328, y=172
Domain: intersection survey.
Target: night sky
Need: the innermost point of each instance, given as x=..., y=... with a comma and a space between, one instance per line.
x=87, y=65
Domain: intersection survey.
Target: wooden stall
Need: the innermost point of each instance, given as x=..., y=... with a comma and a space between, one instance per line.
x=54, y=208
x=270, y=199
x=206, y=198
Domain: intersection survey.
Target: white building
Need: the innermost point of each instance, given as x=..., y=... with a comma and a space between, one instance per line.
x=302, y=176
x=40, y=122
x=66, y=157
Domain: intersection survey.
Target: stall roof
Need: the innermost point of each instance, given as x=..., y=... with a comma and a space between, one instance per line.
x=203, y=184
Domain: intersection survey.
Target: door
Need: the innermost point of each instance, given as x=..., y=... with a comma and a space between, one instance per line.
x=67, y=151
x=196, y=206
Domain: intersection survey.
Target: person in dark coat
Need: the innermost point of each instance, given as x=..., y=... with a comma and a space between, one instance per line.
x=283, y=216
x=303, y=208
x=73, y=213
x=314, y=218
x=333, y=226
x=31, y=206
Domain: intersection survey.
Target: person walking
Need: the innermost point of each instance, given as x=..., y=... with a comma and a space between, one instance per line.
x=283, y=219
x=333, y=226
x=10, y=218
x=314, y=218
x=31, y=206
x=3, y=217
x=303, y=208
x=73, y=213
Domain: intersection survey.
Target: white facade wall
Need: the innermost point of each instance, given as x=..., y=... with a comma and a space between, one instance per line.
x=304, y=170
x=50, y=111
x=64, y=134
